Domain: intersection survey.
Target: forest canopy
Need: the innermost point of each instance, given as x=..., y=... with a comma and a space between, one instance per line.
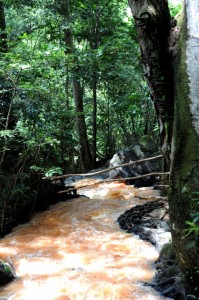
x=72, y=89
x=37, y=104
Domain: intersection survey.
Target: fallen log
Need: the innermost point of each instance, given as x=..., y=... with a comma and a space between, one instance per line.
x=111, y=180
x=105, y=170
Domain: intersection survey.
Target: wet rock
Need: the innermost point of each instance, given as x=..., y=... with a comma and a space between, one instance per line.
x=169, y=281
x=151, y=222
x=7, y=272
x=143, y=182
x=168, y=278
x=72, y=179
x=148, y=222
x=144, y=149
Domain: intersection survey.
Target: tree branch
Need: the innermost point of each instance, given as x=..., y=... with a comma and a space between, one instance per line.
x=111, y=180
x=105, y=170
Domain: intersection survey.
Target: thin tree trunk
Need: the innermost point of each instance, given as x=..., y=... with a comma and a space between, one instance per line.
x=3, y=34
x=146, y=119
x=85, y=154
x=94, y=44
x=94, y=148
x=108, y=148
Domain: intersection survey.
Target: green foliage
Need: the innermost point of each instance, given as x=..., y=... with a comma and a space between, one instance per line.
x=54, y=171
x=175, y=7
x=15, y=194
x=41, y=69
x=6, y=134
x=6, y=267
x=193, y=226
x=38, y=132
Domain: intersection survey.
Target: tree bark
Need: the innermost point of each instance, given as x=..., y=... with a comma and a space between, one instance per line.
x=185, y=147
x=3, y=34
x=152, y=19
x=94, y=148
x=94, y=44
x=85, y=163
x=85, y=154
x=153, y=22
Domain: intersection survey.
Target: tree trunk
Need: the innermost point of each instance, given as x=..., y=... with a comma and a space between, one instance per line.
x=185, y=147
x=94, y=44
x=3, y=34
x=85, y=154
x=153, y=21
x=94, y=148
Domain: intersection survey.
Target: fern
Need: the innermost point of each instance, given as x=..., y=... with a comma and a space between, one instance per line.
x=193, y=227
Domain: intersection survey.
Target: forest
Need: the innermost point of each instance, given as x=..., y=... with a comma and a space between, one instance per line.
x=72, y=90
x=80, y=80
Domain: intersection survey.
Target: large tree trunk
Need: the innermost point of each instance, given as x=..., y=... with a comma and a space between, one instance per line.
x=185, y=147
x=153, y=23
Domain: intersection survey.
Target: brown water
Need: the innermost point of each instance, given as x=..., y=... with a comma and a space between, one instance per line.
x=77, y=251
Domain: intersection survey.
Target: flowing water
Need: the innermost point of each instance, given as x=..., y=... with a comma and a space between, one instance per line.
x=76, y=250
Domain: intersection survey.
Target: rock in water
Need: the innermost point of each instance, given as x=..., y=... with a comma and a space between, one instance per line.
x=7, y=272
x=136, y=152
x=148, y=222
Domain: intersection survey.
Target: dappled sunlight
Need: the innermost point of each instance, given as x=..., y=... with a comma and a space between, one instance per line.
x=77, y=251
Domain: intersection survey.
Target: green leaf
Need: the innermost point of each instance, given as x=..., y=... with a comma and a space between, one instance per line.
x=7, y=133
x=54, y=171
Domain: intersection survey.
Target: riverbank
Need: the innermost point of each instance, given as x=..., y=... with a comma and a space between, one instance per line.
x=150, y=222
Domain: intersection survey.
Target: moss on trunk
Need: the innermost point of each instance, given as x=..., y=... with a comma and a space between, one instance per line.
x=153, y=22
x=184, y=179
